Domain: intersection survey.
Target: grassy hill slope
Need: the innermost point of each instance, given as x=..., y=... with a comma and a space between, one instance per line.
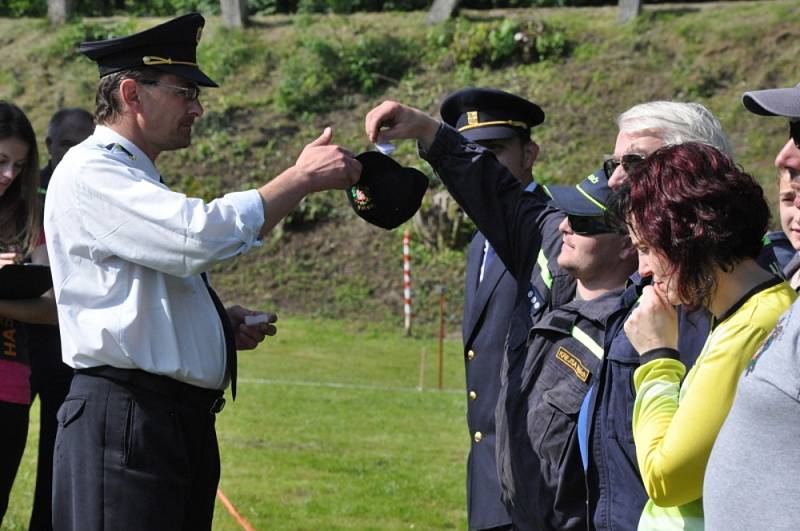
x=285, y=78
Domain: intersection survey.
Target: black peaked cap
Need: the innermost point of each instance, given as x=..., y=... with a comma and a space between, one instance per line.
x=170, y=47
x=490, y=114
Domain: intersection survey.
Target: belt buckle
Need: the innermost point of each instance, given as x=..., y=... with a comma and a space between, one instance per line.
x=217, y=405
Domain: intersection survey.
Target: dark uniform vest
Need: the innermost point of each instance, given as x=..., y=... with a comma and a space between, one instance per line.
x=542, y=475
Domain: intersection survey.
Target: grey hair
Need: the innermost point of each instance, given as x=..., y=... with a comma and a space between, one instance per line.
x=675, y=123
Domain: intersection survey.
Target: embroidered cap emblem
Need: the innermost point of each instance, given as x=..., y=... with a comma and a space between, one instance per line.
x=361, y=198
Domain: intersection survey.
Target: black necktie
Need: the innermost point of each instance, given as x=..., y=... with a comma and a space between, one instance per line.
x=230, y=341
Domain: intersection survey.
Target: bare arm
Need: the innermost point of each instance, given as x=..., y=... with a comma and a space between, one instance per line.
x=320, y=166
x=41, y=310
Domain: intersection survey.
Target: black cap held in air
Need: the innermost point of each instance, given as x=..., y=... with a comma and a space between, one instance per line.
x=387, y=194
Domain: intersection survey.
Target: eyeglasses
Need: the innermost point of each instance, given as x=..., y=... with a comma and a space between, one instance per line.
x=188, y=93
x=628, y=162
x=587, y=225
x=794, y=132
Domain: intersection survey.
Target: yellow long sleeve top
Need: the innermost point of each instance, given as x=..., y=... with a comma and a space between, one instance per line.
x=674, y=425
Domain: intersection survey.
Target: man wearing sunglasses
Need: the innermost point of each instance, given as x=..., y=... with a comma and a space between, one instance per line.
x=751, y=481
x=152, y=345
x=502, y=123
x=540, y=461
x=616, y=493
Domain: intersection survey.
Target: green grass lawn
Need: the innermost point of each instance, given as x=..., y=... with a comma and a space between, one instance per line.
x=329, y=431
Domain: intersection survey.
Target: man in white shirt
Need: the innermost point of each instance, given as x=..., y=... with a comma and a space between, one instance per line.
x=152, y=346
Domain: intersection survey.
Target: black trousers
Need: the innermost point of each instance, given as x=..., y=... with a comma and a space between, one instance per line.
x=14, y=422
x=135, y=451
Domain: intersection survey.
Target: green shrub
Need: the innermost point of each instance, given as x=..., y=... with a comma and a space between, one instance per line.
x=270, y=7
x=313, y=209
x=227, y=51
x=320, y=72
x=151, y=8
x=23, y=8
x=69, y=36
x=355, y=6
x=495, y=44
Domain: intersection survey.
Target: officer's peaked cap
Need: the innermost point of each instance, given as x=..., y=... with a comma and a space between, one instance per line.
x=490, y=114
x=170, y=47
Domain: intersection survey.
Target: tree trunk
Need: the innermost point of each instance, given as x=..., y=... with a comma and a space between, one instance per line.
x=234, y=13
x=58, y=11
x=441, y=10
x=629, y=10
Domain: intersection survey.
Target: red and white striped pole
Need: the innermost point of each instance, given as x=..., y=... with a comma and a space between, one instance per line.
x=407, y=281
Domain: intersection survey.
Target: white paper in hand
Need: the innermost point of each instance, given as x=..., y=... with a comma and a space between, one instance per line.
x=386, y=148
x=251, y=320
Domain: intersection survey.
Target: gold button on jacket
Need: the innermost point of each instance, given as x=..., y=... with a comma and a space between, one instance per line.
x=477, y=437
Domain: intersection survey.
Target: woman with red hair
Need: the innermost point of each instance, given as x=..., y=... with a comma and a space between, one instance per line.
x=697, y=221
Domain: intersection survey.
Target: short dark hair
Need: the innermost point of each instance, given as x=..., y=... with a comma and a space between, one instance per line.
x=107, y=105
x=692, y=204
x=62, y=115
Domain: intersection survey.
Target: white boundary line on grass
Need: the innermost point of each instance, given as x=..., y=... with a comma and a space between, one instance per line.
x=336, y=385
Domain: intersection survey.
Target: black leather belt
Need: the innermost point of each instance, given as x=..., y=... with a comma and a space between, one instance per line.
x=188, y=395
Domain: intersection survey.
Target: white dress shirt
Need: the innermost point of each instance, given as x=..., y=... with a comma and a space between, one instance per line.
x=126, y=255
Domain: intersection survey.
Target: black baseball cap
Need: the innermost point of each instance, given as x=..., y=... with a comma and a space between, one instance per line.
x=170, y=47
x=774, y=102
x=490, y=114
x=387, y=194
x=588, y=198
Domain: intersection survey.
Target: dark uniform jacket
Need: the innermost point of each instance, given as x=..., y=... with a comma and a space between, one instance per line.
x=519, y=224
x=487, y=311
x=542, y=473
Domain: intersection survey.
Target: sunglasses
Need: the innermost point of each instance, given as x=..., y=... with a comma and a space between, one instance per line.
x=794, y=132
x=588, y=226
x=188, y=93
x=629, y=161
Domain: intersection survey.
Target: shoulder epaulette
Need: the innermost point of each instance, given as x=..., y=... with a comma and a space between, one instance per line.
x=119, y=147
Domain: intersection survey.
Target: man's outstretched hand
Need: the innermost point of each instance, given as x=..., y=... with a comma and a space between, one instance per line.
x=392, y=120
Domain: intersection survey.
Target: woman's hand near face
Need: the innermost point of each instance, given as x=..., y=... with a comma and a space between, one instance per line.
x=653, y=323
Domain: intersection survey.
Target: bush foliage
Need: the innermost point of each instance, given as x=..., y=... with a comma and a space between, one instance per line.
x=321, y=73
x=495, y=44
